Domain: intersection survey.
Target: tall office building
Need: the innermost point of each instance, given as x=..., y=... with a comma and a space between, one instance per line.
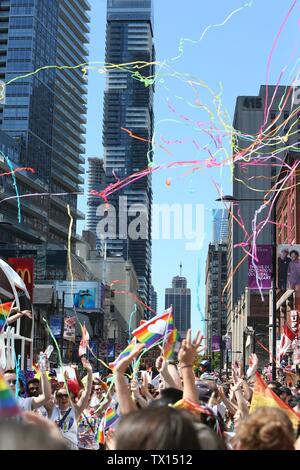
x=220, y=226
x=251, y=183
x=45, y=110
x=179, y=296
x=215, y=298
x=128, y=104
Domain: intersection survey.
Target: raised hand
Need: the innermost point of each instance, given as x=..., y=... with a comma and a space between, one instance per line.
x=27, y=313
x=123, y=365
x=86, y=363
x=189, y=347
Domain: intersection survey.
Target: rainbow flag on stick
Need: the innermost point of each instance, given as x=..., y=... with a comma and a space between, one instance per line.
x=4, y=312
x=111, y=417
x=155, y=329
x=173, y=340
x=264, y=396
x=101, y=431
x=8, y=403
x=123, y=354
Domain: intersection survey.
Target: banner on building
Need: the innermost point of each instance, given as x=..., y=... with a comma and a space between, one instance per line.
x=260, y=268
x=25, y=268
x=288, y=267
x=69, y=329
x=215, y=345
x=294, y=322
x=55, y=325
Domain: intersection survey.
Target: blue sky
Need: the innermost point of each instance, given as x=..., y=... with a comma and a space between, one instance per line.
x=236, y=55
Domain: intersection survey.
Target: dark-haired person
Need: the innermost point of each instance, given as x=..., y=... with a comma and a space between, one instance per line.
x=293, y=274
x=33, y=390
x=283, y=266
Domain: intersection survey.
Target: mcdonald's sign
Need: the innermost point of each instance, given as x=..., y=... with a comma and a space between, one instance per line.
x=25, y=268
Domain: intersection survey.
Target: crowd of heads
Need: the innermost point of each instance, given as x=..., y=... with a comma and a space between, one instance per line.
x=171, y=407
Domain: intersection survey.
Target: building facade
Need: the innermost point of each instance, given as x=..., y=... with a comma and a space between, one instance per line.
x=216, y=300
x=251, y=183
x=44, y=107
x=179, y=296
x=128, y=107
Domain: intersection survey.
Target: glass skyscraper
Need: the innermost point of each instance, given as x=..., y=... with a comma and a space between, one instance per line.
x=45, y=106
x=128, y=104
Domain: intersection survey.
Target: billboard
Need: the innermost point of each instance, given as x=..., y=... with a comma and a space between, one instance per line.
x=25, y=268
x=83, y=295
x=288, y=267
x=260, y=269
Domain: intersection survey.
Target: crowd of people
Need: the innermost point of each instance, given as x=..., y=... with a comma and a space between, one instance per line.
x=169, y=408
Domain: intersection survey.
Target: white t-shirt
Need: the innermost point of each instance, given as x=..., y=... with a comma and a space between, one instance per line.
x=25, y=403
x=69, y=427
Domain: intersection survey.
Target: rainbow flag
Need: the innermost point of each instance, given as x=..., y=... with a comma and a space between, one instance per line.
x=155, y=329
x=123, y=354
x=101, y=431
x=4, y=312
x=264, y=396
x=169, y=348
x=8, y=403
x=111, y=417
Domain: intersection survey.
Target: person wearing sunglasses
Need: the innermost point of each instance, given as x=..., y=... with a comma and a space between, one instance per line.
x=33, y=402
x=65, y=412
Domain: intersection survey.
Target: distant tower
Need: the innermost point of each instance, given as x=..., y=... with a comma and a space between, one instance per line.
x=179, y=296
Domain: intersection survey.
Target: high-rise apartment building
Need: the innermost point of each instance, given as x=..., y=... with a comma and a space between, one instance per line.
x=128, y=107
x=45, y=107
x=179, y=296
x=96, y=182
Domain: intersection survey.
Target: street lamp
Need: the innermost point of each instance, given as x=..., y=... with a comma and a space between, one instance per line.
x=229, y=198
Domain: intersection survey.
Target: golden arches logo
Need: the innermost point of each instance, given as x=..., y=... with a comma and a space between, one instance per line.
x=23, y=273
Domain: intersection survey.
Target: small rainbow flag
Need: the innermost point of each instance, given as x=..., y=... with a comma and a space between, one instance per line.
x=111, y=417
x=155, y=329
x=8, y=403
x=101, y=431
x=123, y=354
x=4, y=312
x=264, y=396
x=172, y=341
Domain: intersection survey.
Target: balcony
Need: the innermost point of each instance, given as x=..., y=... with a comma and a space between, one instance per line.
x=23, y=230
x=63, y=205
x=65, y=170
x=65, y=181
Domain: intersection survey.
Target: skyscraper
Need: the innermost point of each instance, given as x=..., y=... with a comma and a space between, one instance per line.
x=128, y=107
x=179, y=296
x=251, y=183
x=220, y=226
x=45, y=109
x=97, y=183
